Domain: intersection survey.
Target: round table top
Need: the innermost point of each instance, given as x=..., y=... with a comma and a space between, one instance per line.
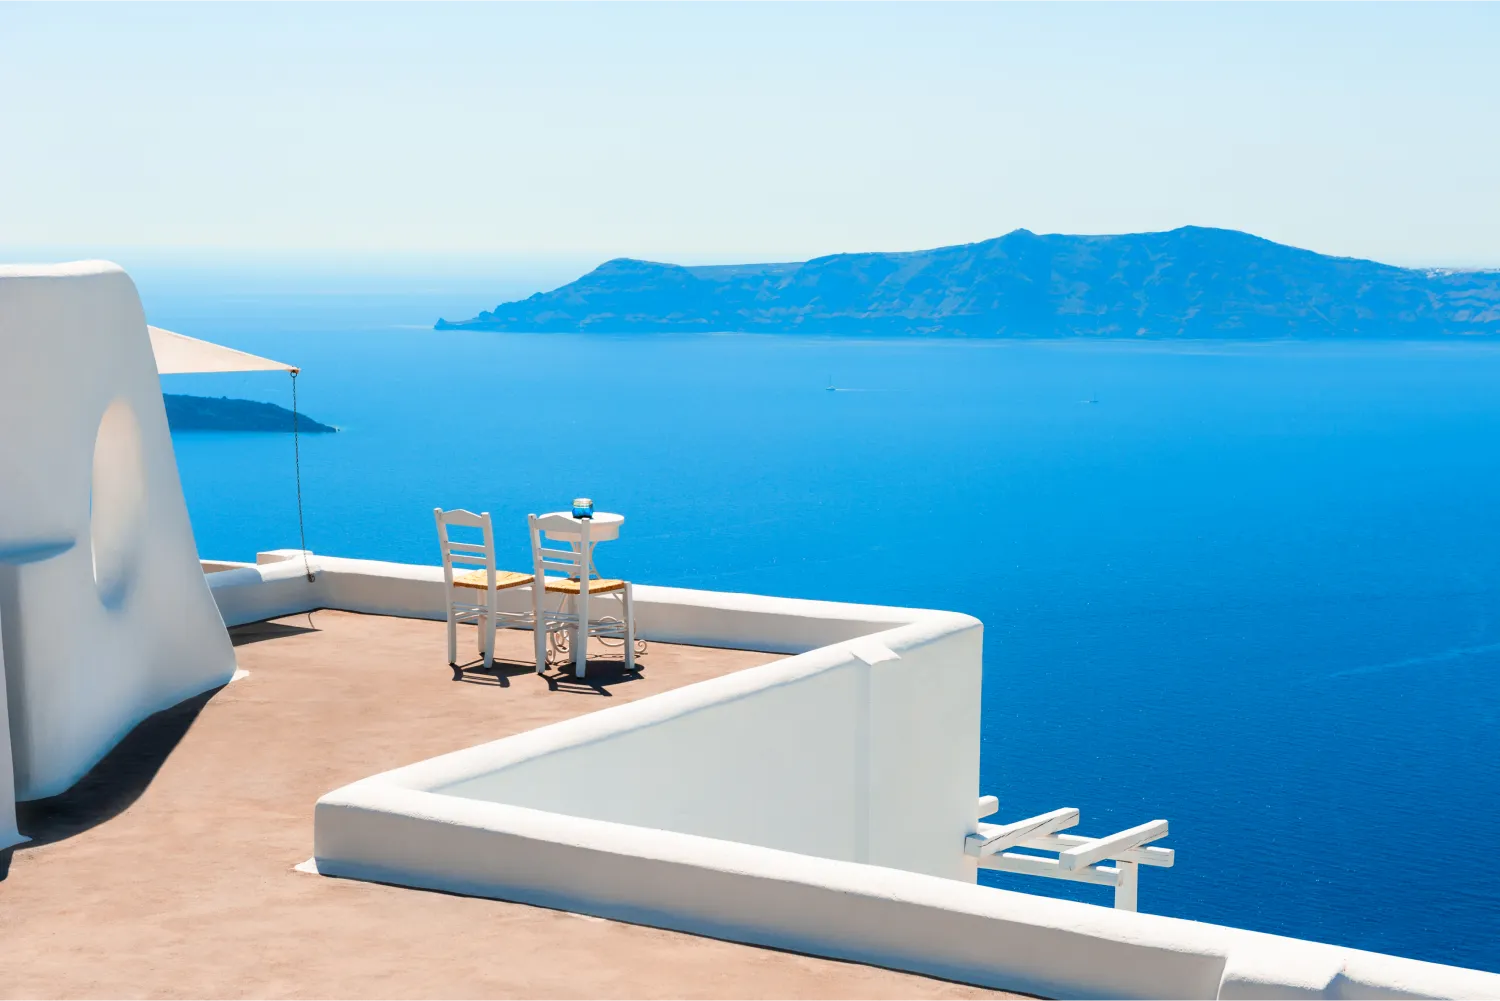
x=603, y=526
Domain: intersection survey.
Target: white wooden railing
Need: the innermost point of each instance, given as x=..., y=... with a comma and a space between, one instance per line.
x=1077, y=858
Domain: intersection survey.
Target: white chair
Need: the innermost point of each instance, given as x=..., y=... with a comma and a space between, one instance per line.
x=573, y=567
x=482, y=610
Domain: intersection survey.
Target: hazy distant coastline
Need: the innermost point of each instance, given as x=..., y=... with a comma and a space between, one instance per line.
x=1192, y=282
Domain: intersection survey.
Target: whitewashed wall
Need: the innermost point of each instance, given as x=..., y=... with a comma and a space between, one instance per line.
x=824, y=754
x=838, y=757
x=730, y=846
x=277, y=585
x=886, y=917
x=105, y=616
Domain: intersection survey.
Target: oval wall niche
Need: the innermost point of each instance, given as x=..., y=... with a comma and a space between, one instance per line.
x=117, y=502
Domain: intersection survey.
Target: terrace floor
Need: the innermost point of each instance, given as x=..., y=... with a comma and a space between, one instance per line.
x=168, y=871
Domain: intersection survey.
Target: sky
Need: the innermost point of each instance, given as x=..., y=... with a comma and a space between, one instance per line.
x=705, y=133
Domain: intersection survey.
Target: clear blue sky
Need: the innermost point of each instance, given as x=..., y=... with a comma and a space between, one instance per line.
x=722, y=132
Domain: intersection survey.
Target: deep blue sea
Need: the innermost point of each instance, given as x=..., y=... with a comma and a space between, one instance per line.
x=1252, y=589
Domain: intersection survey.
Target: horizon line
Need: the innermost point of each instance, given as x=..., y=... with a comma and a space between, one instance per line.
x=177, y=255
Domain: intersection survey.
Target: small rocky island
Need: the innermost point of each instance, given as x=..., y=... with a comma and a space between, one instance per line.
x=207, y=413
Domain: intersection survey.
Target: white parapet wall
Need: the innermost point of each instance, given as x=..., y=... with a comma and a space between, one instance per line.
x=816, y=804
x=823, y=754
x=278, y=585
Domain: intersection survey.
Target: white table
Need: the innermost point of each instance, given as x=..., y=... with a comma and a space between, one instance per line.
x=602, y=527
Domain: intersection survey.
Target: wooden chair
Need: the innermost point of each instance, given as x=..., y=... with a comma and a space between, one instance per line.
x=459, y=601
x=573, y=567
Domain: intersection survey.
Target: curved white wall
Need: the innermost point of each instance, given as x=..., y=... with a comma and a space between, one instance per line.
x=105, y=616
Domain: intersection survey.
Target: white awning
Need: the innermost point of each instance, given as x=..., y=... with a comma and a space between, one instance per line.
x=178, y=354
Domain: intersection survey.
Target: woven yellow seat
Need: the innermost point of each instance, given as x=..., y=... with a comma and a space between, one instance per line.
x=503, y=579
x=561, y=585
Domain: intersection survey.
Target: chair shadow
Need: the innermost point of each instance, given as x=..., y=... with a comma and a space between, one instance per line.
x=112, y=785
x=497, y=676
x=599, y=675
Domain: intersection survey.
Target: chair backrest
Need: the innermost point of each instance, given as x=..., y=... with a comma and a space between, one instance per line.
x=468, y=555
x=576, y=561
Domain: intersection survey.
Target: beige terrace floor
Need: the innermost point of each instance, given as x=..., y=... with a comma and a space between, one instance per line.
x=168, y=871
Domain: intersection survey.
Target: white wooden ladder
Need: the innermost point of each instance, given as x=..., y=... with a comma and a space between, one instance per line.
x=1077, y=858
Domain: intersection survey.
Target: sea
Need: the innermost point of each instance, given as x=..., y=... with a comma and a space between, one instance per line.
x=1250, y=588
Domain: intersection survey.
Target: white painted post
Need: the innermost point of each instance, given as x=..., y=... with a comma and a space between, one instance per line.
x=1125, y=889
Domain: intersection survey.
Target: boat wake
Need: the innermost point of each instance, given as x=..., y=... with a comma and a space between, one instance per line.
x=1424, y=660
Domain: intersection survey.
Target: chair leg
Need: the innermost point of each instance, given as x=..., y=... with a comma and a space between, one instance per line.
x=539, y=628
x=489, y=641
x=453, y=645
x=629, y=629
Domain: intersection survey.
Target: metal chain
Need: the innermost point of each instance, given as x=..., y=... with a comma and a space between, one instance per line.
x=297, y=459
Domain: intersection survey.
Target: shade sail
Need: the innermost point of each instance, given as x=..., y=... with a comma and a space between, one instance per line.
x=179, y=354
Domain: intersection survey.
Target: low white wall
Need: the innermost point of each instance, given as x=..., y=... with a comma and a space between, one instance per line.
x=822, y=754
x=831, y=756
x=663, y=614
x=649, y=813
x=256, y=593
x=746, y=893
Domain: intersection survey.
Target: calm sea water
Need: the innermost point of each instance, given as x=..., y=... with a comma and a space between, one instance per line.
x=1252, y=589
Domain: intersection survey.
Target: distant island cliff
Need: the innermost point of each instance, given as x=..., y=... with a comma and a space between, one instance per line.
x=1191, y=282
x=208, y=413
